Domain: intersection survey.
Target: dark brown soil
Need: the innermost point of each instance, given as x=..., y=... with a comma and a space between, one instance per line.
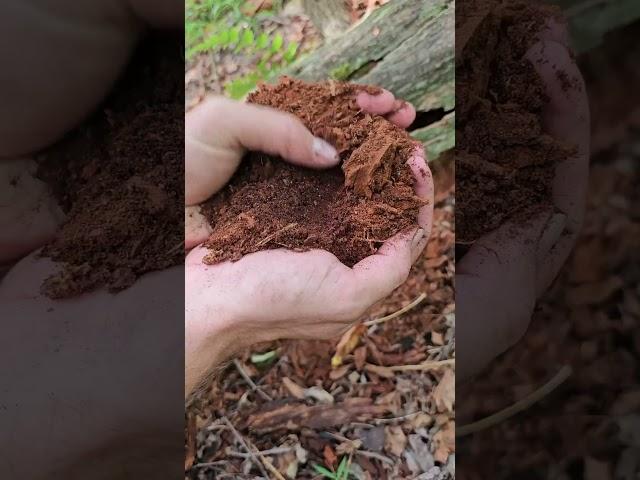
x=504, y=160
x=120, y=180
x=348, y=210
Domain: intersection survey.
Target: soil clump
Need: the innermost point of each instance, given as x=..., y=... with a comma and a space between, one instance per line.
x=348, y=210
x=505, y=162
x=119, y=178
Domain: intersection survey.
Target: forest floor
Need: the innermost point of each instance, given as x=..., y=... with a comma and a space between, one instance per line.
x=387, y=410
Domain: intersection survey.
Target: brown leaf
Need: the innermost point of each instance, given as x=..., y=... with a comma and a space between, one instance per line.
x=360, y=357
x=395, y=441
x=384, y=372
x=347, y=343
x=338, y=373
x=293, y=388
x=445, y=442
x=330, y=458
x=444, y=394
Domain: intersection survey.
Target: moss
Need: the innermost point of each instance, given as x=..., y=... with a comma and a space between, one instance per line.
x=342, y=72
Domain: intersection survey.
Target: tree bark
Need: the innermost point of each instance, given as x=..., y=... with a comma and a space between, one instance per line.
x=407, y=47
x=330, y=17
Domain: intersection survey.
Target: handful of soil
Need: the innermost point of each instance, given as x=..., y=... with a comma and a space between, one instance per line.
x=348, y=210
x=505, y=163
x=120, y=180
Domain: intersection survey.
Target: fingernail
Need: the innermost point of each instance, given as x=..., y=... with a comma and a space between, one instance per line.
x=552, y=232
x=417, y=238
x=325, y=152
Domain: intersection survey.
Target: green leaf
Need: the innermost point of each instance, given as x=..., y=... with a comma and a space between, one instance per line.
x=276, y=45
x=290, y=52
x=263, y=41
x=247, y=38
x=342, y=471
x=323, y=471
x=234, y=36
x=224, y=38
x=259, y=358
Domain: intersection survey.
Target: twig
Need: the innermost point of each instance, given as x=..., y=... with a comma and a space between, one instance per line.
x=267, y=463
x=268, y=238
x=242, y=442
x=381, y=421
x=209, y=464
x=271, y=451
x=377, y=456
x=404, y=309
x=431, y=365
x=251, y=383
x=517, y=407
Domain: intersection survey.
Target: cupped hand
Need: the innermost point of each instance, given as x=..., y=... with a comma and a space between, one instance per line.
x=501, y=277
x=278, y=293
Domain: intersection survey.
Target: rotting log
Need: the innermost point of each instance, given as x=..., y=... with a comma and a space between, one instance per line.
x=405, y=46
x=330, y=17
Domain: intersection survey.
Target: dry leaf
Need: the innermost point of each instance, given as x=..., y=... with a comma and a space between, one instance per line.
x=360, y=357
x=395, y=441
x=384, y=372
x=347, y=344
x=319, y=394
x=293, y=388
x=338, y=373
x=444, y=394
x=444, y=442
x=330, y=458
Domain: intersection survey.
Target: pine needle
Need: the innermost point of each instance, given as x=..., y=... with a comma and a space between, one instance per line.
x=517, y=407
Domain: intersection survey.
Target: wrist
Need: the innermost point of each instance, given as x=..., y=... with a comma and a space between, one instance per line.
x=211, y=337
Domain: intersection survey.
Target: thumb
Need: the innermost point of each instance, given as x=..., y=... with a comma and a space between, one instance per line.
x=496, y=292
x=219, y=131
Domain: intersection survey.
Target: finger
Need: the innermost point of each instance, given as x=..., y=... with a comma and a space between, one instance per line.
x=29, y=214
x=423, y=188
x=566, y=117
x=555, y=30
x=379, y=104
x=495, y=291
x=218, y=131
x=196, y=227
x=376, y=276
x=403, y=116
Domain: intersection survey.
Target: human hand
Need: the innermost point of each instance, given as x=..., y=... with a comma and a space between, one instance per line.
x=101, y=371
x=278, y=293
x=60, y=76
x=503, y=274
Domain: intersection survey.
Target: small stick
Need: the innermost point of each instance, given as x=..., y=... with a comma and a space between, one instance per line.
x=242, y=442
x=377, y=456
x=517, y=407
x=271, y=451
x=251, y=383
x=404, y=309
x=268, y=238
x=423, y=366
x=271, y=468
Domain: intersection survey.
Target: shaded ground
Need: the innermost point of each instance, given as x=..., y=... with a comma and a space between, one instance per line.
x=590, y=320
